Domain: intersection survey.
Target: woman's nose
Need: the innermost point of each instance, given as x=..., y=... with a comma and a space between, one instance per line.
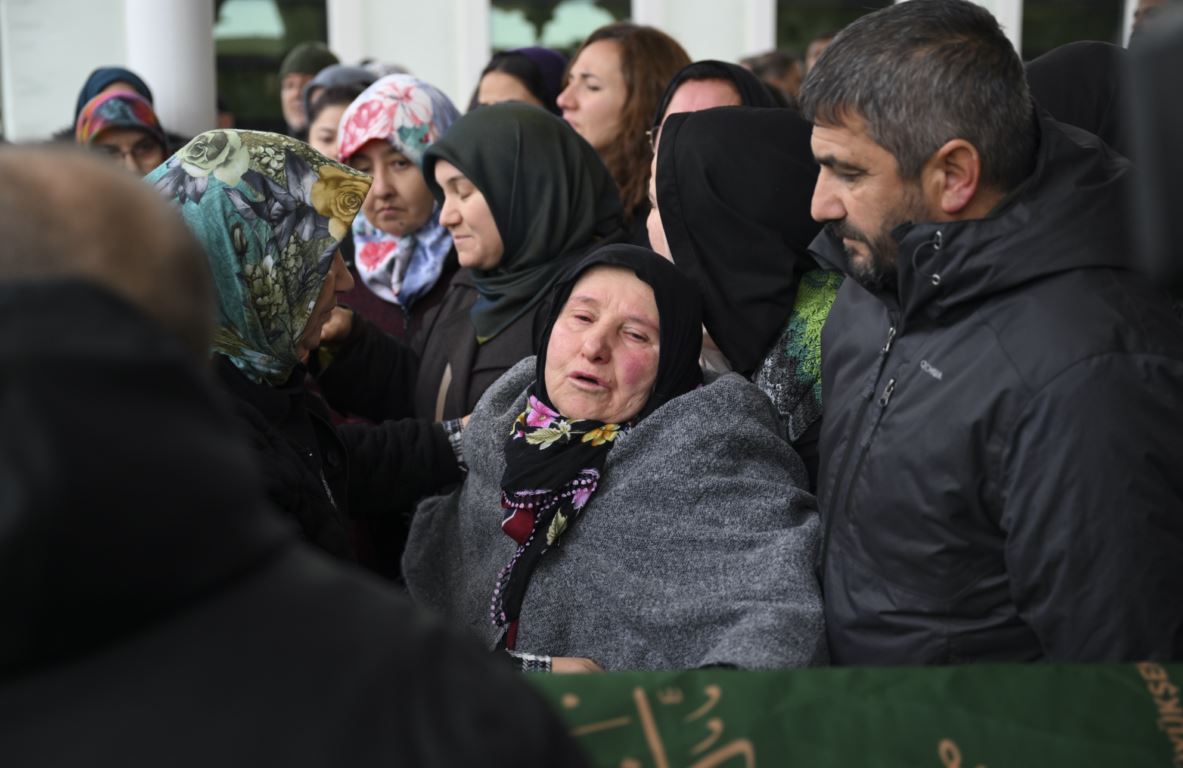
x=595, y=345
x=381, y=186
x=565, y=101
x=449, y=216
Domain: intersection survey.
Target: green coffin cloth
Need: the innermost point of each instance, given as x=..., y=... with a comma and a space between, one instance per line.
x=1124, y=716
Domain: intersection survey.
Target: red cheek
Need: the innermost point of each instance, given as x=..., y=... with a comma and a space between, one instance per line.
x=635, y=366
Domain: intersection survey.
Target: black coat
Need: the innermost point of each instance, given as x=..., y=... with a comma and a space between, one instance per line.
x=374, y=376
x=326, y=477
x=157, y=612
x=1002, y=450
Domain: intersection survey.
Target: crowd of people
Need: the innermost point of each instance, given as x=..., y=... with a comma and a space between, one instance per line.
x=639, y=363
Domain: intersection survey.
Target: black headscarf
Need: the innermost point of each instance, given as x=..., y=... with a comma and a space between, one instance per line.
x=1082, y=84
x=752, y=91
x=733, y=188
x=552, y=464
x=550, y=194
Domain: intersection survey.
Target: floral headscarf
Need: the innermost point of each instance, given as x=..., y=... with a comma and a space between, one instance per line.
x=118, y=109
x=411, y=115
x=270, y=211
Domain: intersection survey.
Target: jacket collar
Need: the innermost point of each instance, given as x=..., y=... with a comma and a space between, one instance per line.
x=1068, y=215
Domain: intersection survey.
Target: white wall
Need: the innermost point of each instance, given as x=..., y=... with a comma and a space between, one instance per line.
x=47, y=49
x=444, y=42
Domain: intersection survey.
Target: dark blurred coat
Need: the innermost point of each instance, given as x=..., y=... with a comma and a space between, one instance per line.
x=157, y=612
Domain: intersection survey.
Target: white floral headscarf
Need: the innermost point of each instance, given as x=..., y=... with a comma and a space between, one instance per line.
x=411, y=115
x=270, y=212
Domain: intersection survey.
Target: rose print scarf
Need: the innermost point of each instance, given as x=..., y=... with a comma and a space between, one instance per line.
x=553, y=465
x=270, y=212
x=409, y=114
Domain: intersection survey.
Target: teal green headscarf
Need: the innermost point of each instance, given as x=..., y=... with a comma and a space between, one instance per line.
x=550, y=195
x=270, y=212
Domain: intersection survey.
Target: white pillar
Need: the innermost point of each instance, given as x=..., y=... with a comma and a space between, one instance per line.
x=445, y=42
x=473, y=48
x=170, y=43
x=347, y=29
x=706, y=32
x=760, y=26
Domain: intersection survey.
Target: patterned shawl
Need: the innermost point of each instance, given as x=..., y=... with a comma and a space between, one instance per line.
x=553, y=464
x=411, y=115
x=270, y=211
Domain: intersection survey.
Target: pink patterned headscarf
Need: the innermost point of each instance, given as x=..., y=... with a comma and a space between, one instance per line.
x=409, y=114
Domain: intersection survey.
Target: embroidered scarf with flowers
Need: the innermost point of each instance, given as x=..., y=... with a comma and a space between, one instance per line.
x=553, y=465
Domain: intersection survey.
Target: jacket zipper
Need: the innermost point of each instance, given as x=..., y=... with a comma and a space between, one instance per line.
x=868, y=397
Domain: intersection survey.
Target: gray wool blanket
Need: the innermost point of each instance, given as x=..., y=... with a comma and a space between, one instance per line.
x=698, y=548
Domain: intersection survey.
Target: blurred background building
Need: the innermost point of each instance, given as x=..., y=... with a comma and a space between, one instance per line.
x=197, y=53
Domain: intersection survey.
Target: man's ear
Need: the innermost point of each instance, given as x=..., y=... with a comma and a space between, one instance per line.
x=952, y=177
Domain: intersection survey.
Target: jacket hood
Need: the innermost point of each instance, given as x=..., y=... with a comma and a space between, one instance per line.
x=1069, y=214
x=124, y=492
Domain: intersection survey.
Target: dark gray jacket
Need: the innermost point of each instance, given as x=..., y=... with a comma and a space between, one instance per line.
x=1002, y=449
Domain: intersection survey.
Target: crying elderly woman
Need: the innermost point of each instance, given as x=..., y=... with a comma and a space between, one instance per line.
x=618, y=514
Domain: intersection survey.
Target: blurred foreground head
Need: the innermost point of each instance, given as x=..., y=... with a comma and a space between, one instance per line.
x=66, y=214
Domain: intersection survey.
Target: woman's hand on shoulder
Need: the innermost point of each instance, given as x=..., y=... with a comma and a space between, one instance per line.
x=571, y=665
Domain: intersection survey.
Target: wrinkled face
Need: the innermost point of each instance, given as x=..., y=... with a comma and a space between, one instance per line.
x=653, y=224
x=468, y=218
x=136, y=150
x=338, y=280
x=594, y=99
x=601, y=360
x=290, y=101
x=322, y=133
x=496, y=87
x=861, y=198
x=697, y=95
x=399, y=202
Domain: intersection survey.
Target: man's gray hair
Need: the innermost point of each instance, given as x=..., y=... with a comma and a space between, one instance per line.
x=922, y=73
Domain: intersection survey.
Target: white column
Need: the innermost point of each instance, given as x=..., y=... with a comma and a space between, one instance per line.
x=444, y=42
x=710, y=30
x=347, y=25
x=170, y=43
x=760, y=27
x=473, y=47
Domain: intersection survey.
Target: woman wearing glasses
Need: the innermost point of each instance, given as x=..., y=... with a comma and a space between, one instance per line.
x=123, y=126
